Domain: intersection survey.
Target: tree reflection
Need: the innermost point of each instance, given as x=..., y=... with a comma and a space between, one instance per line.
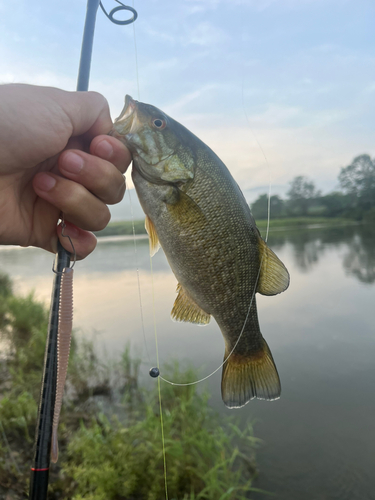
x=359, y=261
x=308, y=246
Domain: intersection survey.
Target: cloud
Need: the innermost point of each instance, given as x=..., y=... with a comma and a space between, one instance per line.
x=198, y=6
x=276, y=115
x=370, y=88
x=160, y=34
x=181, y=103
x=317, y=148
x=114, y=91
x=160, y=65
x=205, y=34
x=44, y=78
x=308, y=84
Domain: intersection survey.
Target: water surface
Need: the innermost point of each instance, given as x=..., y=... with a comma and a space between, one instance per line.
x=319, y=438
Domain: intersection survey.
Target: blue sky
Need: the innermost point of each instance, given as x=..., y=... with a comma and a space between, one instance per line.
x=303, y=71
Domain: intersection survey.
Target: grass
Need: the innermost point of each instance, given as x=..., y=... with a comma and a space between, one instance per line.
x=110, y=435
x=125, y=228
x=113, y=461
x=302, y=222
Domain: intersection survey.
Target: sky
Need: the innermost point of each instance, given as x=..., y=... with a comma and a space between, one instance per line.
x=292, y=81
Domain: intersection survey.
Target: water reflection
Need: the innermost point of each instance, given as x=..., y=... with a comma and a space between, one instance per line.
x=355, y=246
x=308, y=247
x=109, y=266
x=320, y=437
x=359, y=260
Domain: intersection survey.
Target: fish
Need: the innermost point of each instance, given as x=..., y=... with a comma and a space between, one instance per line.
x=197, y=213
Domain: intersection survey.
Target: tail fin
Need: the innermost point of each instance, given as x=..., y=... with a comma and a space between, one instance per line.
x=247, y=377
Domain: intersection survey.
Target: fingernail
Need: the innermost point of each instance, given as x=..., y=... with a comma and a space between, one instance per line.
x=71, y=162
x=104, y=149
x=45, y=182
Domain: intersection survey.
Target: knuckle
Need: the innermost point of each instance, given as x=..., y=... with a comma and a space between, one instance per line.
x=99, y=99
x=120, y=193
x=111, y=188
x=102, y=220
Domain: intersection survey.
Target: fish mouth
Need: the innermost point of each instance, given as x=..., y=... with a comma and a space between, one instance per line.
x=125, y=122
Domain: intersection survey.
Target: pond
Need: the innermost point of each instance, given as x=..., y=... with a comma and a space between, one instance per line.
x=319, y=438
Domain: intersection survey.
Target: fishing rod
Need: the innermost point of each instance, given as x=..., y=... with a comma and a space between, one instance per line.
x=39, y=476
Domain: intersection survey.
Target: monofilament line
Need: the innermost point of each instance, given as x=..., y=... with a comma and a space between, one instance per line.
x=231, y=352
x=138, y=278
x=265, y=158
x=153, y=300
x=136, y=58
x=159, y=389
x=260, y=267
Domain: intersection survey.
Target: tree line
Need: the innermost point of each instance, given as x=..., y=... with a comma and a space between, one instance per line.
x=355, y=199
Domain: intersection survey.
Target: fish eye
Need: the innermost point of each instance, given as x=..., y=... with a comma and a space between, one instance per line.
x=159, y=123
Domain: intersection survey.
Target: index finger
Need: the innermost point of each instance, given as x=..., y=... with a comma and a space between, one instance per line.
x=88, y=113
x=111, y=149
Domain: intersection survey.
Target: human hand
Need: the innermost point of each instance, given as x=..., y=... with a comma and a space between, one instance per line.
x=54, y=158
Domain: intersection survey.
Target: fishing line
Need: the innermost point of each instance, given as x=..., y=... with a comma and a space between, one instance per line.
x=231, y=352
x=159, y=388
x=138, y=275
x=267, y=163
x=153, y=372
x=257, y=279
x=136, y=58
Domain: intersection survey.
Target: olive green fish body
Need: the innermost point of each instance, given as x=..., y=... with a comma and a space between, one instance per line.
x=209, y=237
x=197, y=212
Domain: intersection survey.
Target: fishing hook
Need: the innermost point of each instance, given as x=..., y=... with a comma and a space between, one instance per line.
x=118, y=9
x=63, y=226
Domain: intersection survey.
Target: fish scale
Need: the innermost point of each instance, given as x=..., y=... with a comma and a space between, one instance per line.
x=197, y=212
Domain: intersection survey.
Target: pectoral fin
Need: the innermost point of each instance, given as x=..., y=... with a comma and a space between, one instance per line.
x=274, y=276
x=185, y=309
x=185, y=210
x=154, y=240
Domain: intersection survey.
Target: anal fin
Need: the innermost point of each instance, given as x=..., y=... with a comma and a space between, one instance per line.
x=250, y=376
x=154, y=240
x=185, y=309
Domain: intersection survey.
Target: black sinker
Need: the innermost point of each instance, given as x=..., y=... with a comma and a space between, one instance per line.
x=154, y=372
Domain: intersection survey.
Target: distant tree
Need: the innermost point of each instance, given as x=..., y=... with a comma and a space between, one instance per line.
x=358, y=180
x=301, y=194
x=277, y=206
x=260, y=206
x=335, y=204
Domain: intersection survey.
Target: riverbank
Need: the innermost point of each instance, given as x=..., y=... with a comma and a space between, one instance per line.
x=128, y=228
x=110, y=443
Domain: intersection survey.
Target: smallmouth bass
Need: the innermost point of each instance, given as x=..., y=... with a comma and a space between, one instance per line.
x=198, y=214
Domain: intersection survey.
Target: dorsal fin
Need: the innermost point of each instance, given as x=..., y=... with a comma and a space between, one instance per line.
x=274, y=276
x=185, y=309
x=154, y=240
